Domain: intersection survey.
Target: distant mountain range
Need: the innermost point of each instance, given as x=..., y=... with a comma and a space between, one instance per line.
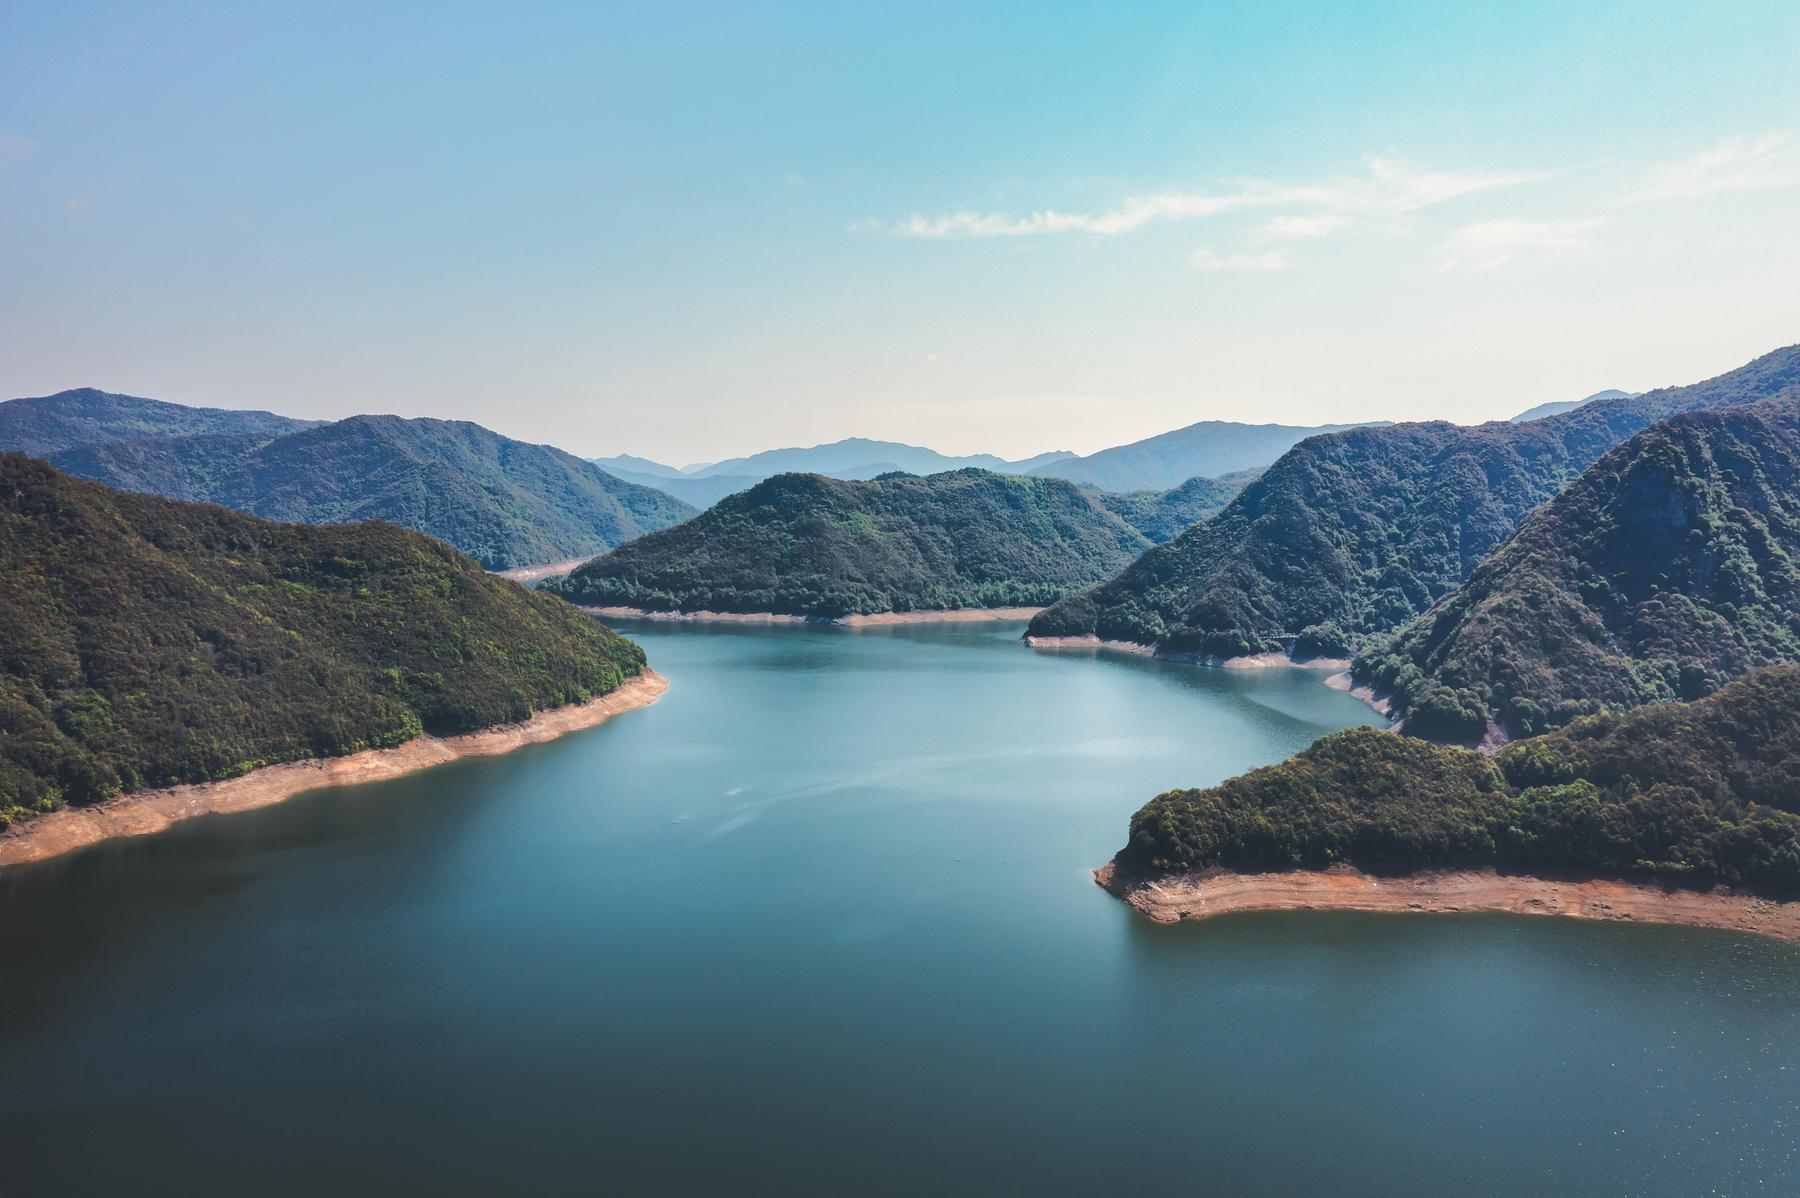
x=852, y=459
x=1209, y=449
x=1351, y=535
x=149, y=642
x=1558, y=407
x=804, y=544
x=504, y=502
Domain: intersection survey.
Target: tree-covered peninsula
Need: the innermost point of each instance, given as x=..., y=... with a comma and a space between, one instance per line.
x=146, y=642
x=1351, y=535
x=1699, y=793
x=1670, y=567
x=803, y=544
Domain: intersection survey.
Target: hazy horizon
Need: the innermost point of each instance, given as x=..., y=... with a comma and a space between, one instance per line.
x=701, y=232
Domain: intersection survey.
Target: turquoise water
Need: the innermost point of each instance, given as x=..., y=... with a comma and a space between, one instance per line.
x=820, y=922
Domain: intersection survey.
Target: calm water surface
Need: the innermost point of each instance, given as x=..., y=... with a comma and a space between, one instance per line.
x=820, y=922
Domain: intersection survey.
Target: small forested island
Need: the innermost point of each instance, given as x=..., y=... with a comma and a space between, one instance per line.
x=1666, y=569
x=809, y=546
x=1681, y=795
x=503, y=502
x=149, y=643
x=1351, y=535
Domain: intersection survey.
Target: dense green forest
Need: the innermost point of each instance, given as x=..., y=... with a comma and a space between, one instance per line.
x=1351, y=535
x=808, y=545
x=1164, y=515
x=49, y=424
x=145, y=642
x=1698, y=793
x=1666, y=569
x=503, y=502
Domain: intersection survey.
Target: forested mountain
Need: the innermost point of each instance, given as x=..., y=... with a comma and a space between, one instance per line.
x=1164, y=515
x=808, y=545
x=1666, y=569
x=48, y=424
x=146, y=642
x=1210, y=449
x=1351, y=535
x=503, y=502
x=1697, y=792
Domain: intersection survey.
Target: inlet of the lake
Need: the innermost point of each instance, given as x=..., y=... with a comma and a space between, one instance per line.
x=821, y=922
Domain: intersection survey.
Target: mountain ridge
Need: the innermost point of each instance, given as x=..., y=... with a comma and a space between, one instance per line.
x=1352, y=534
x=1666, y=569
x=507, y=503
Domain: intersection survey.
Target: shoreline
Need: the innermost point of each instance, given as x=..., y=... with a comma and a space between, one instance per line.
x=1207, y=895
x=1275, y=660
x=1380, y=704
x=145, y=811
x=954, y=615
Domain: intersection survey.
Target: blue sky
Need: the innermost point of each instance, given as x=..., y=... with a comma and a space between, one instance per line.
x=690, y=231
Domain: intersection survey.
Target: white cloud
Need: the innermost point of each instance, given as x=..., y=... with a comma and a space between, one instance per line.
x=1735, y=164
x=1491, y=243
x=1299, y=228
x=1390, y=187
x=1207, y=259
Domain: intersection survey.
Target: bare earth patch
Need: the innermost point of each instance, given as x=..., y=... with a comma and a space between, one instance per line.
x=959, y=615
x=553, y=570
x=1203, y=896
x=149, y=811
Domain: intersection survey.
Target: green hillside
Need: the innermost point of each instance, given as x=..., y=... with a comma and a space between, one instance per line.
x=1666, y=569
x=48, y=424
x=808, y=545
x=1351, y=535
x=1697, y=792
x=503, y=502
x=145, y=642
x=1164, y=515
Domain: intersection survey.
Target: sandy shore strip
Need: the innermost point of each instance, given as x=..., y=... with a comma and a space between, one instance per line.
x=1259, y=661
x=148, y=811
x=553, y=570
x=1202, y=896
x=956, y=615
x=1342, y=681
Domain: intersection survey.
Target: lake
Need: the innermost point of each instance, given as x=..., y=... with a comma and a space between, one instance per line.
x=821, y=922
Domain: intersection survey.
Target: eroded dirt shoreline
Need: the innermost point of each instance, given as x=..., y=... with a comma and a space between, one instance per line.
x=1259, y=661
x=1204, y=896
x=957, y=615
x=148, y=811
